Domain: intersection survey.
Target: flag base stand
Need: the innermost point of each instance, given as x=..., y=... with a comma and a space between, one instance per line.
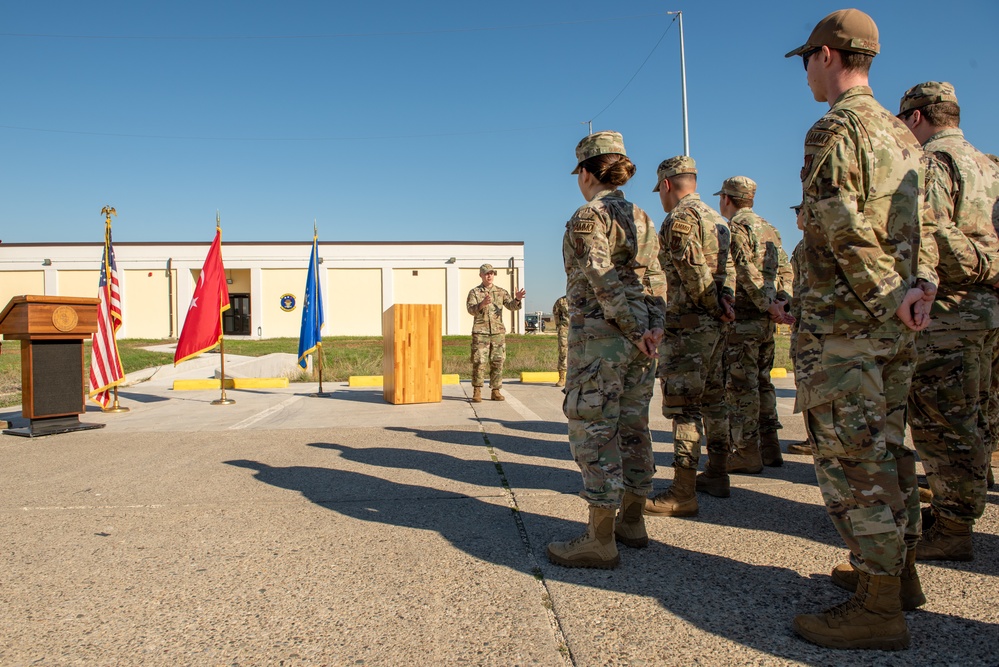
x=114, y=407
x=51, y=426
x=321, y=394
x=223, y=401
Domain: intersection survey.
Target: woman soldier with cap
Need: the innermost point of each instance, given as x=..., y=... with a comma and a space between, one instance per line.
x=613, y=282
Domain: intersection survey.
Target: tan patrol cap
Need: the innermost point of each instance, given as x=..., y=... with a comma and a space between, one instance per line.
x=598, y=143
x=742, y=187
x=671, y=166
x=486, y=268
x=923, y=94
x=846, y=29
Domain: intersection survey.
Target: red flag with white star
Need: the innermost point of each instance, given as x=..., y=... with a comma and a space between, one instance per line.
x=203, y=325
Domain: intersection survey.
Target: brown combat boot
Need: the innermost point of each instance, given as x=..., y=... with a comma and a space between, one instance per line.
x=946, y=539
x=745, y=461
x=629, y=527
x=679, y=499
x=497, y=396
x=871, y=619
x=714, y=481
x=561, y=379
x=476, y=394
x=799, y=448
x=770, y=449
x=594, y=548
x=846, y=576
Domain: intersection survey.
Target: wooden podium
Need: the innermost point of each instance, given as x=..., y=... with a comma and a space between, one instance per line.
x=51, y=330
x=411, y=360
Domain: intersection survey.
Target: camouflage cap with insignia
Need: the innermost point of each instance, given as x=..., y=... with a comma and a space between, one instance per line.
x=742, y=187
x=486, y=268
x=671, y=166
x=846, y=29
x=923, y=94
x=598, y=143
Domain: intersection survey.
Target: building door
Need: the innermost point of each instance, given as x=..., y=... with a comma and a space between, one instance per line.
x=236, y=320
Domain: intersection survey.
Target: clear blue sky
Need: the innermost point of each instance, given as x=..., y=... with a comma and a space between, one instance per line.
x=420, y=121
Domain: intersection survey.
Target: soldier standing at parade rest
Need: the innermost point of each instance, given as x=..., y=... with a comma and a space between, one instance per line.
x=700, y=283
x=798, y=288
x=486, y=303
x=756, y=305
x=613, y=287
x=950, y=387
x=560, y=314
x=856, y=339
x=993, y=401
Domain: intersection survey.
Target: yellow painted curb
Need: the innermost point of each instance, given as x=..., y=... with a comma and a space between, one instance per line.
x=259, y=383
x=450, y=378
x=376, y=380
x=539, y=376
x=778, y=372
x=194, y=385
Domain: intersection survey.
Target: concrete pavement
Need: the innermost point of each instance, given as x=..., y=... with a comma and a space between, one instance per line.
x=293, y=530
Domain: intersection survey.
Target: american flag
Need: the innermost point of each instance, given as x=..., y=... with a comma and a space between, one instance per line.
x=105, y=365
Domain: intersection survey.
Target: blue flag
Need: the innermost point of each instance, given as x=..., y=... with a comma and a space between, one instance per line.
x=311, y=337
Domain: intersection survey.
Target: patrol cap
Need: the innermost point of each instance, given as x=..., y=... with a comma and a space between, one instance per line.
x=486, y=268
x=797, y=207
x=742, y=187
x=671, y=166
x=846, y=29
x=598, y=143
x=923, y=94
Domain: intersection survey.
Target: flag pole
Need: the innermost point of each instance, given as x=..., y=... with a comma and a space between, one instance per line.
x=223, y=400
x=319, y=343
x=108, y=211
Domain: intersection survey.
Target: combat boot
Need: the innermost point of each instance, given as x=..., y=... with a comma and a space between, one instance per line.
x=476, y=394
x=846, y=576
x=871, y=619
x=497, y=396
x=594, y=548
x=946, y=539
x=745, y=461
x=800, y=448
x=679, y=499
x=561, y=379
x=629, y=527
x=714, y=481
x=770, y=449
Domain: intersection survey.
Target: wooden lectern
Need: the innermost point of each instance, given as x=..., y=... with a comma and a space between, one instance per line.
x=411, y=360
x=51, y=330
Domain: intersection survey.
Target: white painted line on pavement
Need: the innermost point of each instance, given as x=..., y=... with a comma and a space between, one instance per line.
x=522, y=409
x=250, y=421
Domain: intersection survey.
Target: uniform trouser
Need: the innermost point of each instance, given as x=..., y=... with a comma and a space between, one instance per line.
x=563, y=347
x=693, y=388
x=607, y=392
x=488, y=349
x=853, y=392
x=769, y=422
x=742, y=391
x=992, y=400
x=948, y=419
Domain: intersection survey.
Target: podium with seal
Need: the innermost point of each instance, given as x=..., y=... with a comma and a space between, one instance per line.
x=51, y=330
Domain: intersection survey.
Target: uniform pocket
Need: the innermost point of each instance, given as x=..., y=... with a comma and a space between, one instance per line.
x=583, y=397
x=827, y=384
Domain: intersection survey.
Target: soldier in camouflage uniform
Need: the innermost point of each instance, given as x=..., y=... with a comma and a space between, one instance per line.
x=560, y=314
x=992, y=411
x=486, y=303
x=700, y=282
x=798, y=288
x=856, y=340
x=613, y=287
x=950, y=388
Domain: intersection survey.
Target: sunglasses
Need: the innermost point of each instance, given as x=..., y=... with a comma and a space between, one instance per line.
x=808, y=54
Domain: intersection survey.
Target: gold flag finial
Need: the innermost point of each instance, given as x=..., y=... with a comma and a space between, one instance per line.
x=108, y=211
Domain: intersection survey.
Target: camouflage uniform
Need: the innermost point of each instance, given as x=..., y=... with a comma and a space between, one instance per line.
x=489, y=332
x=560, y=314
x=694, y=253
x=854, y=358
x=610, y=255
x=769, y=422
x=950, y=387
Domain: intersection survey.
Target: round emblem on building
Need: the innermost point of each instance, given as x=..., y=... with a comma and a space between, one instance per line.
x=287, y=302
x=64, y=318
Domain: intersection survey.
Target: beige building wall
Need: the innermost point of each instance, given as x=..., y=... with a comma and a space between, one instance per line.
x=421, y=286
x=277, y=283
x=470, y=279
x=147, y=304
x=354, y=302
x=78, y=283
x=241, y=281
x=17, y=283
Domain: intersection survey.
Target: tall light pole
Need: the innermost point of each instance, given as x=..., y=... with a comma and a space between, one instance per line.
x=683, y=84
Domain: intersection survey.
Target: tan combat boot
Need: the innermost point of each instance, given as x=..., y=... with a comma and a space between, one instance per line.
x=871, y=619
x=594, y=548
x=561, y=379
x=770, y=449
x=946, y=539
x=846, y=576
x=629, y=527
x=714, y=480
x=746, y=461
x=799, y=448
x=497, y=396
x=679, y=499
x=476, y=394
